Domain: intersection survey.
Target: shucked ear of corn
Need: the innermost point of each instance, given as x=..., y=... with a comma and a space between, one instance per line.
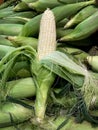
x=46, y=45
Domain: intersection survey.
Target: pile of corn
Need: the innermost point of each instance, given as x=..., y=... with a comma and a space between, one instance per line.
x=48, y=65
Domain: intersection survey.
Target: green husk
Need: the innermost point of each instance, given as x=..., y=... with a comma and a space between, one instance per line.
x=10, y=29
x=6, y=4
x=78, y=53
x=14, y=20
x=62, y=32
x=21, y=69
x=4, y=50
x=23, y=126
x=4, y=41
x=6, y=12
x=21, y=88
x=71, y=124
x=43, y=81
x=42, y=5
x=21, y=41
x=17, y=112
x=83, y=29
x=75, y=73
x=8, y=62
x=26, y=14
x=82, y=15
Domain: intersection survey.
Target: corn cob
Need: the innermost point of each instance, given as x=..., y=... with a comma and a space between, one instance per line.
x=84, y=29
x=93, y=62
x=82, y=15
x=45, y=78
x=60, y=13
x=10, y=29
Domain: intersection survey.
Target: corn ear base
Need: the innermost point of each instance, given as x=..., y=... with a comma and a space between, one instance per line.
x=93, y=62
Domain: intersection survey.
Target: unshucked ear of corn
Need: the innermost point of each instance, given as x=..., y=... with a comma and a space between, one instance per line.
x=44, y=78
x=82, y=15
x=13, y=112
x=84, y=29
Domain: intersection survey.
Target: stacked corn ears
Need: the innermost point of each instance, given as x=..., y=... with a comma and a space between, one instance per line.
x=48, y=65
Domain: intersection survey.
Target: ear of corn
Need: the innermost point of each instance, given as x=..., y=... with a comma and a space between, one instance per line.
x=46, y=45
x=21, y=41
x=6, y=12
x=82, y=15
x=14, y=20
x=26, y=14
x=18, y=112
x=21, y=88
x=84, y=29
x=10, y=29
